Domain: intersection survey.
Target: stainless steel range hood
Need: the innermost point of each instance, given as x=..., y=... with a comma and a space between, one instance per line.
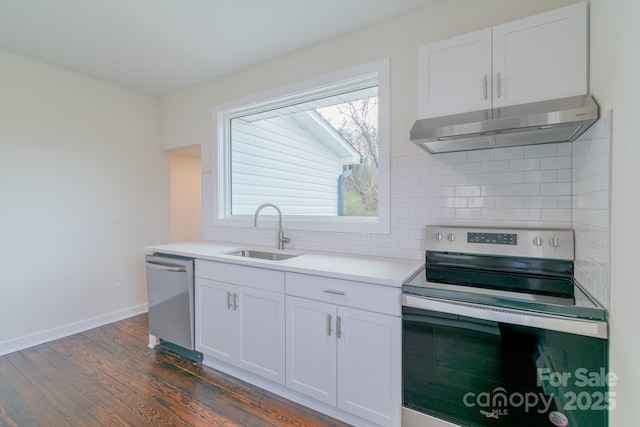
x=559, y=120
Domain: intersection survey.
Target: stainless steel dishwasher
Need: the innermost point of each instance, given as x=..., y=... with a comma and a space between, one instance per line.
x=170, y=294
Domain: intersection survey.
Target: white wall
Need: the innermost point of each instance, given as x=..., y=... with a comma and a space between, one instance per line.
x=615, y=67
x=75, y=156
x=186, y=115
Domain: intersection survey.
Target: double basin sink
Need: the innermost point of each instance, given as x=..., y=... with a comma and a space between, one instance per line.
x=270, y=256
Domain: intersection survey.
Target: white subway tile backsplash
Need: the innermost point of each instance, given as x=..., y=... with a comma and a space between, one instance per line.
x=482, y=202
x=481, y=156
x=454, y=202
x=495, y=166
x=454, y=179
x=510, y=177
x=524, y=164
x=430, y=181
x=443, y=191
x=526, y=214
x=524, y=189
x=510, y=202
x=467, y=190
x=556, y=214
x=541, y=176
x=509, y=153
x=560, y=162
x=493, y=214
x=481, y=178
x=564, y=148
x=469, y=213
x=564, y=175
x=542, y=150
x=564, y=202
x=459, y=157
x=555, y=189
x=549, y=186
x=495, y=190
x=590, y=208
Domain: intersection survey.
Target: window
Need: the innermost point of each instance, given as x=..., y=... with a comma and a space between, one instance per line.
x=319, y=151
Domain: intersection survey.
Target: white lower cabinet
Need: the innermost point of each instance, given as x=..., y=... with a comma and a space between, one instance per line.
x=344, y=356
x=336, y=341
x=241, y=325
x=312, y=365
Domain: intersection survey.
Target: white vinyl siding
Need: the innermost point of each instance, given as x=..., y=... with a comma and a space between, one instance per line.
x=277, y=161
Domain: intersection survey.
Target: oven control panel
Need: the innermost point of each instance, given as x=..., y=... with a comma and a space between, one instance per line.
x=524, y=242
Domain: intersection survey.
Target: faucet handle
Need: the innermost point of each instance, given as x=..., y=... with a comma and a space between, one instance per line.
x=282, y=240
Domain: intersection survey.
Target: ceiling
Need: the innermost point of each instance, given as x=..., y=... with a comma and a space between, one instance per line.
x=161, y=46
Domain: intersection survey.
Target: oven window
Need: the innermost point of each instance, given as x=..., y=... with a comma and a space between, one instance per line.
x=480, y=373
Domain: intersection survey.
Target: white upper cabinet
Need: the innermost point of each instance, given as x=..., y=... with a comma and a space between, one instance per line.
x=541, y=57
x=455, y=75
x=532, y=59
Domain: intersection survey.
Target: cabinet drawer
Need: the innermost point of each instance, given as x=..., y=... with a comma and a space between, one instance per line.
x=253, y=277
x=381, y=299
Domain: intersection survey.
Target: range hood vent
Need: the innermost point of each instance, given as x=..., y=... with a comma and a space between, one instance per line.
x=558, y=120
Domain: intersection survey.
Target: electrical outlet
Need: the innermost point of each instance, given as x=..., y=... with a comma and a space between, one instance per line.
x=116, y=288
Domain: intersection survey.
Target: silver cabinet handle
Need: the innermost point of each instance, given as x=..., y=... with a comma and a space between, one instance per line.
x=334, y=292
x=235, y=302
x=164, y=267
x=499, y=87
x=486, y=87
x=229, y=301
x=329, y=318
x=339, y=327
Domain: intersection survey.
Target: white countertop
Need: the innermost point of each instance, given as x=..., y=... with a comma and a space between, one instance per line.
x=370, y=269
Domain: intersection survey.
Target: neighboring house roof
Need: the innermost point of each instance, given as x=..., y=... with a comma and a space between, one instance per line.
x=318, y=126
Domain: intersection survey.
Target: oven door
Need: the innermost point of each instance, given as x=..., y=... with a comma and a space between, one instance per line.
x=474, y=365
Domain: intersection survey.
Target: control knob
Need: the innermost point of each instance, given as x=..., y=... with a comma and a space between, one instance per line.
x=451, y=237
x=438, y=236
x=554, y=241
x=537, y=241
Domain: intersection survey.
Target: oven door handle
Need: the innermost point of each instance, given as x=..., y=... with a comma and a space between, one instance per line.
x=591, y=328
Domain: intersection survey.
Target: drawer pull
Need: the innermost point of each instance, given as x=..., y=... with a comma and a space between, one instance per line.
x=329, y=324
x=229, y=301
x=486, y=85
x=334, y=292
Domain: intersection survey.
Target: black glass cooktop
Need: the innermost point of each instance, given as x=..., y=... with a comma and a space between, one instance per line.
x=575, y=302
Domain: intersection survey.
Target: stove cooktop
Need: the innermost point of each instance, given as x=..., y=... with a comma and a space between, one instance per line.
x=581, y=305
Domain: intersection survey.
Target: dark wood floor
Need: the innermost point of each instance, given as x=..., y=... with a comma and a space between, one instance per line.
x=108, y=377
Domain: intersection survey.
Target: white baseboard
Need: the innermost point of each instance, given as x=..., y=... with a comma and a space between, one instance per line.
x=27, y=341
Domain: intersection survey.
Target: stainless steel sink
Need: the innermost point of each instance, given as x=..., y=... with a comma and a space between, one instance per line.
x=271, y=256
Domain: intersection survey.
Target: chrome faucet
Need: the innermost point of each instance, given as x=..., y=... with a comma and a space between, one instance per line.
x=281, y=239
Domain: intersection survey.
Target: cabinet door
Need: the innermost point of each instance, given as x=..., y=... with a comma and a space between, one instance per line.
x=215, y=319
x=260, y=333
x=369, y=365
x=455, y=75
x=311, y=348
x=541, y=57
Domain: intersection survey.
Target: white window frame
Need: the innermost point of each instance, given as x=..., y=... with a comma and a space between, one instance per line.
x=223, y=113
